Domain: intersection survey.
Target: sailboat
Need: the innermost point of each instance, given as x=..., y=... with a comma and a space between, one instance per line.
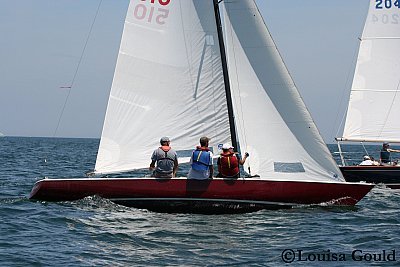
x=181, y=73
x=374, y=107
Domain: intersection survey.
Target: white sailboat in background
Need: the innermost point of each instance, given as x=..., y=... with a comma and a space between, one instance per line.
x=172, y=79
x=374, y=105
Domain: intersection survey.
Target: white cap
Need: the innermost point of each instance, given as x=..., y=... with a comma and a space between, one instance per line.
x=226, y=146
x=366, y=158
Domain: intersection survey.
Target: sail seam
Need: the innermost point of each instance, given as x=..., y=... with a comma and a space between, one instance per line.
x=390, y=110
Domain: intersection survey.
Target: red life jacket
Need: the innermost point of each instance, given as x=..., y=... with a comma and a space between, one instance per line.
x=229, y=165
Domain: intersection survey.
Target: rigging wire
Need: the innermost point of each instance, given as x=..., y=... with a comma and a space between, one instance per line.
x=70, y=86
x=341, y=101
x=366, y=152
x=355, y=56
x=76, y=70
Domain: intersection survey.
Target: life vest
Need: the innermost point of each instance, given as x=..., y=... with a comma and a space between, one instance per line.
x=385, y=156
x=165, y=161
x=228, y=165
x=201, y=159
x=166, y=155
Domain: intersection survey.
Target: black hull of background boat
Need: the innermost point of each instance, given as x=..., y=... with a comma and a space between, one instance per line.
x=388, y=175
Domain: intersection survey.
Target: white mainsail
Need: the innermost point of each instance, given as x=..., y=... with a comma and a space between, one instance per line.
x=374, y=105
x=273, y=123
x=168, y=82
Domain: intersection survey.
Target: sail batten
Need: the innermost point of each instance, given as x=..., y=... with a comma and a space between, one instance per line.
x=379, y=38
x=374, y=90
x=366, y=140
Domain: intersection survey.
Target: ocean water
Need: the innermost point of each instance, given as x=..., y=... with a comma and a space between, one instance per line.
x=97, y=232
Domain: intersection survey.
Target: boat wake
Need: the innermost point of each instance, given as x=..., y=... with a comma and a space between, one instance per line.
x=97, y=203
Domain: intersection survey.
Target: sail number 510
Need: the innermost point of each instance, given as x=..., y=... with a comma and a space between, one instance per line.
x=380, y=4
x=152, y=14
x=161, y=2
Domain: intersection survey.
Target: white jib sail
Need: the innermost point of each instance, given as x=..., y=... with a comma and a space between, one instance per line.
x=168, y=82
x=273, y=123
x=374, y=106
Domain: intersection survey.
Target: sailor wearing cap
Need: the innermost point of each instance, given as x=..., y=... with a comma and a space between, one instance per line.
x=385, y=153
x=228, y=162
x=164, y=160
x=367, y=160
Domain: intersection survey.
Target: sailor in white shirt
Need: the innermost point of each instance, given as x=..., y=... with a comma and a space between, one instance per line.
x=367, y=161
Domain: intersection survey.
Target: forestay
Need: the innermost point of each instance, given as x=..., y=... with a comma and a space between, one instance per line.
x=273, y=123
x=168, y=82
x=374, y=106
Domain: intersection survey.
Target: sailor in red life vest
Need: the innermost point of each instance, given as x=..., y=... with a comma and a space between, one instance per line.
x=228, y=162
x=166, y=159
x=201, y=161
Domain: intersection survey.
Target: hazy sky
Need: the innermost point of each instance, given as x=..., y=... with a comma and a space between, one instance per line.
x=41, y=42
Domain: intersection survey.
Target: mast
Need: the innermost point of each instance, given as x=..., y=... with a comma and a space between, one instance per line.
x=226, y=76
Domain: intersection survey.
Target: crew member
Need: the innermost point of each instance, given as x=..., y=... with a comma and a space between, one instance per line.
x=228, y=162
x=201, y=161
x=164, y=160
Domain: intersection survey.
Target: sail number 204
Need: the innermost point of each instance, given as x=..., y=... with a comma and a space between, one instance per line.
x=381, y=4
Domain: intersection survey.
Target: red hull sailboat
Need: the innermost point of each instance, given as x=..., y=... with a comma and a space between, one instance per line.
x=172, y=79
x=201, y=196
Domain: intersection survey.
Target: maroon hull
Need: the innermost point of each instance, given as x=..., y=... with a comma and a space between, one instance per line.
x=187, y=195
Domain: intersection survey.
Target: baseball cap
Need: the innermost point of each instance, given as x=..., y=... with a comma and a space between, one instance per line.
x=164, y=139
x=226, y=146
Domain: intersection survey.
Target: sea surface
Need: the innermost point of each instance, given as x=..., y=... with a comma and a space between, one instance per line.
x=97, y=232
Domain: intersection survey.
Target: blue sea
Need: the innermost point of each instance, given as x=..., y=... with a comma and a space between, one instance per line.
x=97, y=232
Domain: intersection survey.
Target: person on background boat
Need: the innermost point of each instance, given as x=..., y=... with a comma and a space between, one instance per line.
x=228, y=162
x=367, y=160
x=385, y=154
x=164, y=160
x=374, y=161
x=201, y=161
